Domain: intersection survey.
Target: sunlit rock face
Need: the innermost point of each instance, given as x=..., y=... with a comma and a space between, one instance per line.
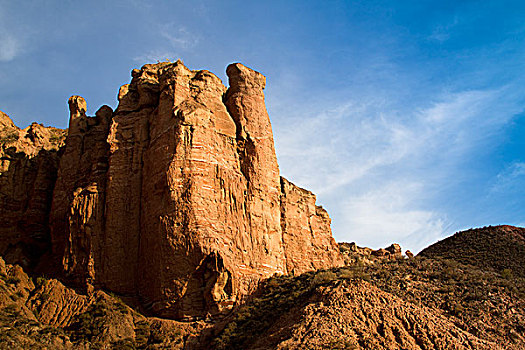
x=175, y=197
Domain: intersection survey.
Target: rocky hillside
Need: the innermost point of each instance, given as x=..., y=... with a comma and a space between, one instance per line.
x=498, y=248
x=388, y=303
x=40, y=313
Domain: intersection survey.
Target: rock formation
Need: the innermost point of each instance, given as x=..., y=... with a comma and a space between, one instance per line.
x=77, y=212
x=45, y=314
x=353, y=254
x=175, y=198
x=306, y=231
x=28, y=169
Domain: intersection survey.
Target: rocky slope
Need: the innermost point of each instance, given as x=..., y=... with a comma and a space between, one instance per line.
x=355, y=255
x=174, y=200
x=417, y=303
x=499, y=248
x=42, y=313
x=386, y=303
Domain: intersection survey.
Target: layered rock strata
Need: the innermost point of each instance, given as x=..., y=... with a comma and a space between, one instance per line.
x=28, y=169
x=306, y=231
x=77, y=213
x=175, y=197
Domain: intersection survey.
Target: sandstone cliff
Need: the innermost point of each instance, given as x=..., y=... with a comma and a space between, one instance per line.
x=28, y=169
x=175, y=198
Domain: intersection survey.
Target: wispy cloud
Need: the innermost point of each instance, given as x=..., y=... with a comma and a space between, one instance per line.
x=391, y=213
x=443, y=31
x=358, y=137
x=509, y=178
x=389, y=165
x=9, y=47
x=176, y=40
x=10, y=39
x=141, y=5
x=156, y=56
x=178, y=37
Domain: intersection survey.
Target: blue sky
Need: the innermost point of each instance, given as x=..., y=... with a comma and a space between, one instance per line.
x=406, y=118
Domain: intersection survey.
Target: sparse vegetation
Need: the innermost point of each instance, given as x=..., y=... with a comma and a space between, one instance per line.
x=323, y=277
x=486, y=303
x=497, y=248
x=57, y=136
x=90, y=323
x=40, y=281
x=94, y=328
x=467, y=295
x=507, y=274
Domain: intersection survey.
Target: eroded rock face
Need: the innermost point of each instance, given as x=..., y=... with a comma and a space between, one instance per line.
x=175, y=198
x=28, y=169
x=358, y=315
x=77, y=214
x=353, y=254
x=306, y=231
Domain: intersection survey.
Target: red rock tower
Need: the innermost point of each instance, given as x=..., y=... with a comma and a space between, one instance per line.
x=176, y=199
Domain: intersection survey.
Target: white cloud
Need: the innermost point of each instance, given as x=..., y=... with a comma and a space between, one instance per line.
x=9, y=47
x=344, y=144
x=515, y=170
x=156, y=56
x=509, y=178
x=176, y=40
x=377, y=171
x=389, y=214
x=178, y=37
x=442, y=32
x=10, y=44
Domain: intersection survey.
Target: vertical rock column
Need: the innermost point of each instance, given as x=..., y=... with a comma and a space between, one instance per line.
x=245, y=102
x=167, y=250
x=77, y=214
x=128, y=139
x=193, y=194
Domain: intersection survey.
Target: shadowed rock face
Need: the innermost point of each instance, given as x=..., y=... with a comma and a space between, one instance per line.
x=175, y=198
x=77, y=213
x=28, y=169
